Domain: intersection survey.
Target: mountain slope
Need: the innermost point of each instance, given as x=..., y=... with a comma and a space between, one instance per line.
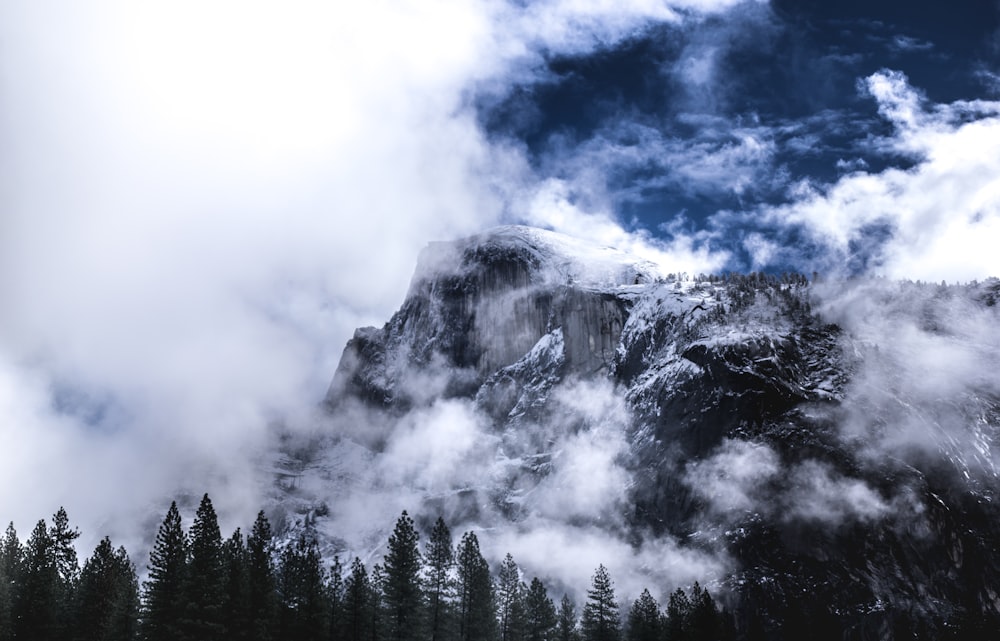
x=817, y=453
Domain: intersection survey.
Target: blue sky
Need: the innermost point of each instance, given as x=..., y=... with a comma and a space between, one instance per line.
x=697, y=127
x=200, y=200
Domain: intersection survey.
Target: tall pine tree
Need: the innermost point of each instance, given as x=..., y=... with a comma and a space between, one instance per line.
x=36, y=607
x=566, y=629
x=357, y=601
x=303, y=603
x=203, y=618
x=6, y=605
x=67, y=567
x=11, y=556
x=164, y=602
x=600, y=621
x=508, y=597
x=335, y=593
x=376, y=607
x=107, y=597
x=644, y=619
x=678, y=619
x=261, y=593
x=402, y=590
x=236, y=588
x=540, y=613
x=477, y=619
x=440, y=555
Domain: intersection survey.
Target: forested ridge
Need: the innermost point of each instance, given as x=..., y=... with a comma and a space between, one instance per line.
x=201, y=587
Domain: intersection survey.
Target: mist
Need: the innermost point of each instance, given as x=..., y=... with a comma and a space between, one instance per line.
x=197, y=213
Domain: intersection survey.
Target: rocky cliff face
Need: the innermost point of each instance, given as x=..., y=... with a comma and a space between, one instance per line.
x=834, y=446
x=477, y=307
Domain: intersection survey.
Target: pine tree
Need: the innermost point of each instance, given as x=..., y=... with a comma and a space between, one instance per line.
x=204, y=587
x=540, y=613
x=108, y=596
x=704, y=618
x=600, y=621
x=402, y=590
x=376, y=604
x=357, y=601
x=6, y=606
x=36, y=608
x=517, y=618
x=261, y=592
x=62, y=536
x=566, y=624
x=335, y=590
x=304, y=612
x=678, y=621
x=11, y=555
x=508, y=595
x=236, y=599
x=476, y=601
x=440, y=587
x=67, y=567
x=644, y=619
x=163, y=593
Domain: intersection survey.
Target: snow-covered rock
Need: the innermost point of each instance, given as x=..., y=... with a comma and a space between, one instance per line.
x=818, y=450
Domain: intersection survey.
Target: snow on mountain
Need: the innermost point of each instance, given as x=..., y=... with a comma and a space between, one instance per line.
x=807, y=450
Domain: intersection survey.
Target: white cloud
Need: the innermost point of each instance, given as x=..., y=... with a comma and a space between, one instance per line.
x=432, y=450
x=569, y=555
x=733, y=480
x=940, y=214
x=925, y=375
x=819, y=494
x=551, y=205
x=202, y=200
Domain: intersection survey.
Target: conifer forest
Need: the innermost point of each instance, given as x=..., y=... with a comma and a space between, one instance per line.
x=200, y=586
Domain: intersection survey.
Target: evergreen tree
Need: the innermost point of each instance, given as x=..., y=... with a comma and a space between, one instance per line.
x=600, y=621
x=644, y=619
x=107, y=597
x=517, y=618
x=236, y=598
x=402, y=589
x=261, y=593
x=440, y=587
x=67, y=567
x=11, y=554
x=304, y=612
x=6, y=606
x=377, y=605
x=357, y=602
x=476, y=601
x=704, y=618
x=335, y=590
x=36, y=608
x=540, y=613
x=678, y=622
x=508, y=597
x=205, y=582
x=62, y=536
x=566, y=622
x=163, y=593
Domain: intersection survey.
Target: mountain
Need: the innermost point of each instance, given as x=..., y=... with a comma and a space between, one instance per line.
x=822, y=455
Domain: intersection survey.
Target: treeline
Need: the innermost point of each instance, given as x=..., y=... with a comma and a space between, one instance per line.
x=201, y=587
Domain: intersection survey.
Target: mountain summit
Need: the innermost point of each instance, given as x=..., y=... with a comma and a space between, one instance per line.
x=822, y=454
